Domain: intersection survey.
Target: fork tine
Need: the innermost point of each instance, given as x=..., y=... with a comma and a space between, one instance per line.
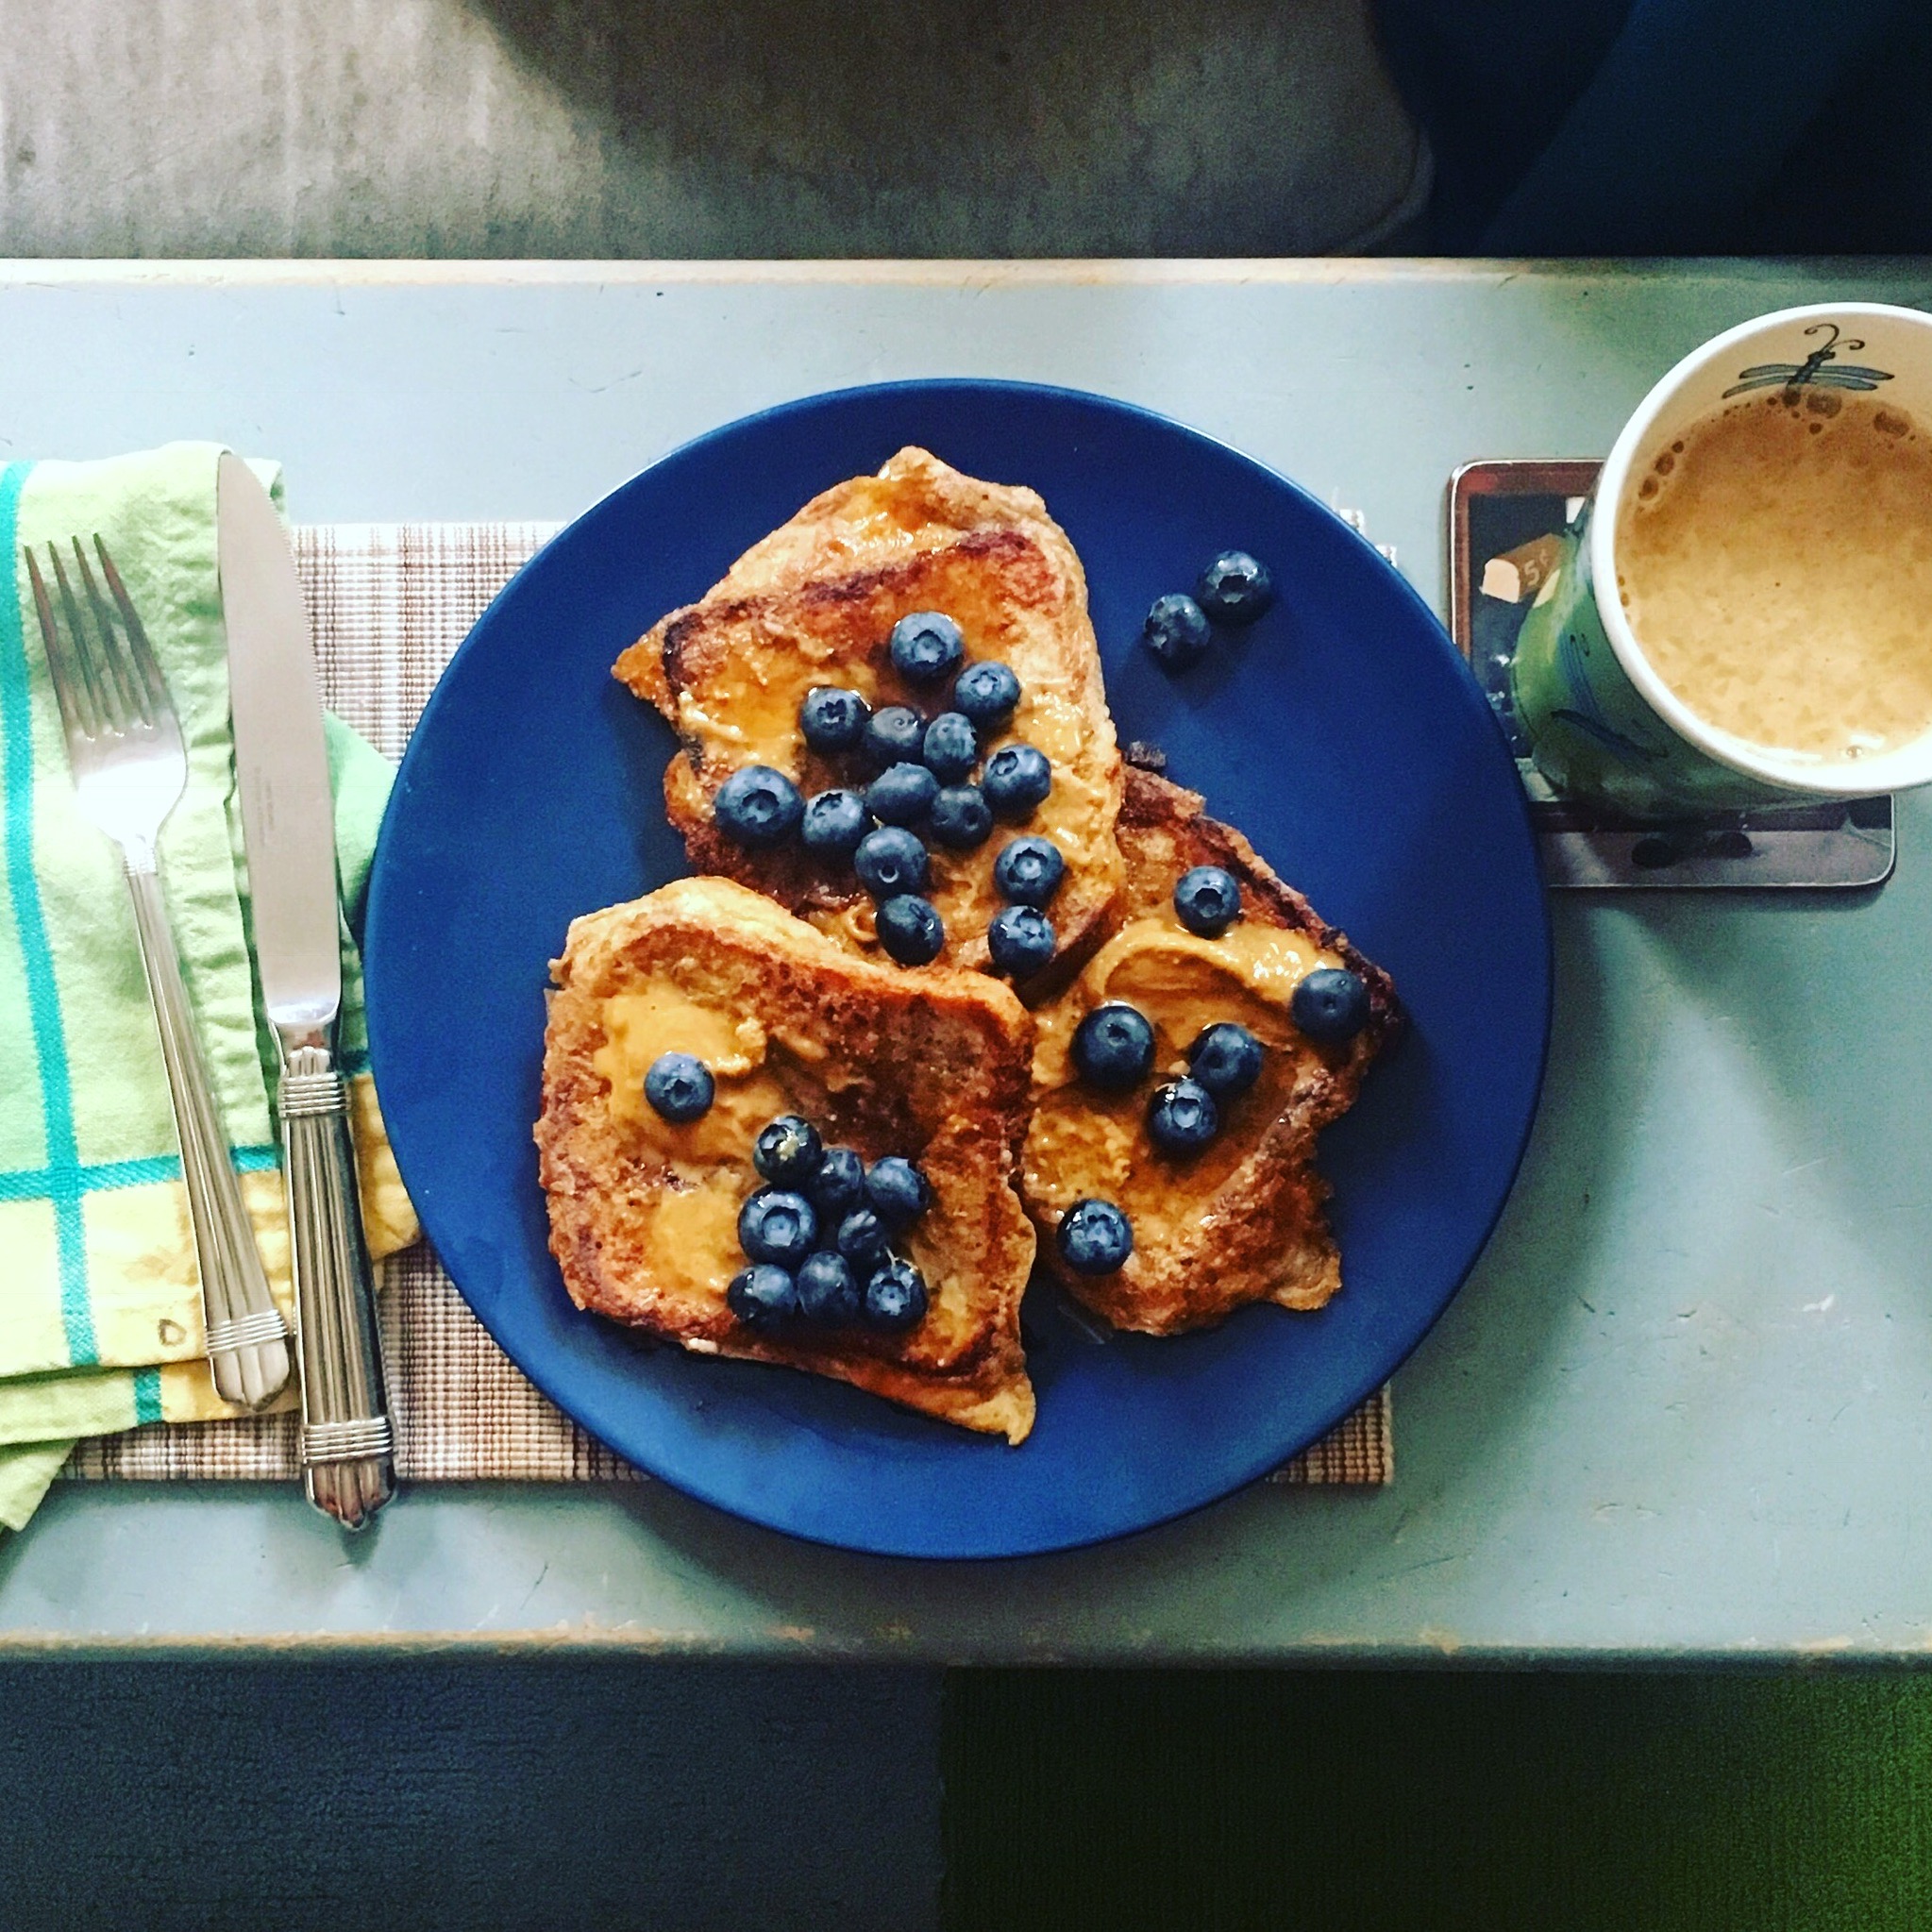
x=61, y=670
x=121, y=662
x=142, y=651
x=100, y=697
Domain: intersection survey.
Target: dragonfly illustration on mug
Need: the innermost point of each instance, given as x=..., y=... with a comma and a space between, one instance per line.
x=1821, y=369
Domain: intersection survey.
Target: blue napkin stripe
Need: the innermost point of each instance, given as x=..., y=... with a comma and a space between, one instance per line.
x=147, y=1396
x=41, y=1184
x=44, y=998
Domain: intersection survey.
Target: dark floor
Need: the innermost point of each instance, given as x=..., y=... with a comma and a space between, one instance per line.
x=356, y=1797
x=616, y=1794
x=1447, y=1802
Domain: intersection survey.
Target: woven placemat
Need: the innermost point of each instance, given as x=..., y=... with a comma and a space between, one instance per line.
x=388, y=604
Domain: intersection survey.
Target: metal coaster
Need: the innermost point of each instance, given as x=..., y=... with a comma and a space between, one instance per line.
x=1503, y=516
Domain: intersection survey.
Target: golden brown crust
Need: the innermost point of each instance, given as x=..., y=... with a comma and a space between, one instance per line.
x=1260, y=1233
x=814, y=603
x=932, y=1063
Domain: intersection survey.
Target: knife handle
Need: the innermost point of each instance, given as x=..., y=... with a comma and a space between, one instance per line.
x=348, y=1448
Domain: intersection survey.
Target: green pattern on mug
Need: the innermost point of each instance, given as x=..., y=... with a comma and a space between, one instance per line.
x=1591, y=734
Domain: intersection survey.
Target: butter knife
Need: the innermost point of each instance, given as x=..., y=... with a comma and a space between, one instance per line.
x=288, y=829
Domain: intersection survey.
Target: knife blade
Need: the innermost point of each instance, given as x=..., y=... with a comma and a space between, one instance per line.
x=288, y=832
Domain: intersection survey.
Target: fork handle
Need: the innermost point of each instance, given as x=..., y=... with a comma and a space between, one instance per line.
x=247, y=1347
x=348, y=1457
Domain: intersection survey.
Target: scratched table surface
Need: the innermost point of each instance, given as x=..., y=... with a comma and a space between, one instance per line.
x=1683, y=1407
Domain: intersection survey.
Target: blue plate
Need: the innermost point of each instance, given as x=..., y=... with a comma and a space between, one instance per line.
x=1343, y=735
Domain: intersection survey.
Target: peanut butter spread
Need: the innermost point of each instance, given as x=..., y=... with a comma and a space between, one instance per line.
x=692, y=1235
x=1085, y=1144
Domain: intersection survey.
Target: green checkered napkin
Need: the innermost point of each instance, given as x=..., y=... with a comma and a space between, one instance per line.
x=100, y=1315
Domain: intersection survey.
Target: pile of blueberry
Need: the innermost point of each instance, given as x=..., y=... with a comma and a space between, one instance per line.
x=818, y=1236
x=923, y=777
x=1114, y=1051
x=1233, y=590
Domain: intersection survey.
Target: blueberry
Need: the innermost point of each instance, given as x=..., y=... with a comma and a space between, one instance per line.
x=901, y=793
x=1181, y=1116
x=1207, y=901
x=1114, y=1048
x=1016, y=779
x=833, y=824
x=758, y=807
x=860, y=1238
x=833, y=719
x=911, y=930
x=892, y=734
x=828, y=1294
x=1176, y=630
x=839, y=1184
x=679, y=1087
x=951, y=746
x=890, y=861
x=896, y=1297
x=1095, y=1237
x=1021, y=940
x=896, y=1192
x=1225, y=1059
x=987, y=693
x=1331, y=1005
x=1235, y=588
x=960, y=817
x=777, y=1226
x=763, y=1296
x=926, y=647
x=786, y=1154
x=1029, y=871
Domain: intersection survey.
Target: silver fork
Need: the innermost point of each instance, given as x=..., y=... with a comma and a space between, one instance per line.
x=129, y=766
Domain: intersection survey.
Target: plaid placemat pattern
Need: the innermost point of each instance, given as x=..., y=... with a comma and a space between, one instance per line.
x=388, y=604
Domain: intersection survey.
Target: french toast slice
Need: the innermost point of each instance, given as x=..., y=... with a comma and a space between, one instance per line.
x=1242, y=1221
x=931, y=1066
x=813, y=604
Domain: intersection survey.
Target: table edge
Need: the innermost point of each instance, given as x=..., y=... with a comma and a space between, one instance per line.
x=795, y=1644
x=1204, y=271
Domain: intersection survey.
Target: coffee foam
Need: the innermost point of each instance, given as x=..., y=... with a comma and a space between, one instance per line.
x=1775, y=562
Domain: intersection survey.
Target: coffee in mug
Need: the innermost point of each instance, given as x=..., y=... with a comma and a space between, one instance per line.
x=1741, y=616
x=1775, y=565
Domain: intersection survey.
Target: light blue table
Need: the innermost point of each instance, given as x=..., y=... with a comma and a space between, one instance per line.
x=1683, y=1407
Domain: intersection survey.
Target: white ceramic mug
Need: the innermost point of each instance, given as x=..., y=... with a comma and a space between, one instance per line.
x=1602, y=725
